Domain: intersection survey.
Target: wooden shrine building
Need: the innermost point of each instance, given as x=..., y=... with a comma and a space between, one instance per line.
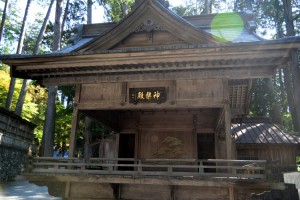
x=169, y=87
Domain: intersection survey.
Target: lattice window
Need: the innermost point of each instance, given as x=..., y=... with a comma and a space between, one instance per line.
x=238, y=95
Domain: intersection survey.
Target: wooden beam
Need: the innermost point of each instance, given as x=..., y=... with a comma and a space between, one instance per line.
x=74, y=122
x=151, y=68
x=165, y=75
x=151, y=57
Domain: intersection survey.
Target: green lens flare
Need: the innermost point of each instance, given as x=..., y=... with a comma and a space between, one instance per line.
x=226, y=27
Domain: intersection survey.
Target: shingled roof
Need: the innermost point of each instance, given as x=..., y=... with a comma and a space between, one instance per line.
x=262, y=133
x=87, y=33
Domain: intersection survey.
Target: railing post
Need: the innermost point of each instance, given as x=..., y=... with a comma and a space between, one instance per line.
x=201, y=167
x=30, y=164
x=140, y=169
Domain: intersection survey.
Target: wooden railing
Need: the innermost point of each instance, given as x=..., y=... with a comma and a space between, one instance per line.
x=252, y=169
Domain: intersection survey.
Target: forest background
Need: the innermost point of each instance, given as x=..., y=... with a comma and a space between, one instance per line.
x=275, y=98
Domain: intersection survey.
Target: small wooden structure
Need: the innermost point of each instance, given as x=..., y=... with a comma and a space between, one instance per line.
x=260, y=139
x=169, y=87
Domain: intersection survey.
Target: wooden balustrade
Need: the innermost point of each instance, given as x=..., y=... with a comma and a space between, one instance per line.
x=251, y=169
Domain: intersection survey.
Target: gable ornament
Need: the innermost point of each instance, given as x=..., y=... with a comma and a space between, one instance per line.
x=149, y=25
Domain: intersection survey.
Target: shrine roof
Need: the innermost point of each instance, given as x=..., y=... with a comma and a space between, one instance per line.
x=202, y=25
x=285, y=43
x=254, y=132
x=186, y=45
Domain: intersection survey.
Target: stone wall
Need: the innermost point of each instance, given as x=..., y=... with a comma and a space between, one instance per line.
x=12, y=162
x=289, y=193
x=293, y=178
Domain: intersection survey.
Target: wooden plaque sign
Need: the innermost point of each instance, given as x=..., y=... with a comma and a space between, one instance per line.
x=147, y=95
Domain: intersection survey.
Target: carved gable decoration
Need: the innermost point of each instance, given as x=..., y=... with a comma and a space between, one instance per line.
x=149, y=25
x=149, y=16
x=149, y=33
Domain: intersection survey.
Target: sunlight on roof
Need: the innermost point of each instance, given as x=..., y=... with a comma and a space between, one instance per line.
x=227, y=27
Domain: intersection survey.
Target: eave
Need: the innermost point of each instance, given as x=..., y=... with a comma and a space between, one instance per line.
x=258, y=59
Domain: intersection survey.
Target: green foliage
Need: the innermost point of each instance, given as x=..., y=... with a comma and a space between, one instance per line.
x=63, y=123
x=197, y=7
x=114, y=8
x=261, y=99
x=35, y=101
x=11, y=31
x=32, y=33
x=99, y=131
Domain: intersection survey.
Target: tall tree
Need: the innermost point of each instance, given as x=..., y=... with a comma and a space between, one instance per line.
x=25, y=83
x=49, y=127
x=294, y=66
x=19, y=50
x=43, y=29
x=3, y=19
x=88, y=121
x=116, y=9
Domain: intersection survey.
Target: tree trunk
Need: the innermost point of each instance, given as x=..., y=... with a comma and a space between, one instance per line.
x=21, y=98
x=274, y=109
x=35, y=51
x=66, y=12
x=290, y=98
x=10, y=93
x=89, y=11
x=296, y=89
x=3, y=19
x=43, y=28
x=294, y=67
x=57, y=26
x=288, y=16
x=19, y=50
x=282, y=91
x=206, y=7
x=249, y=5
x=124, y=9
x=87, y=133
x=49, y=127
x=87, y=121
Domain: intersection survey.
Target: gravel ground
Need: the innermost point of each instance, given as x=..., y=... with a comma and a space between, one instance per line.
x=20, y=189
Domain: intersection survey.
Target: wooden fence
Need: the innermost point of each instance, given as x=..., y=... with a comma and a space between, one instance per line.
x=247, y=169
x=15, y=131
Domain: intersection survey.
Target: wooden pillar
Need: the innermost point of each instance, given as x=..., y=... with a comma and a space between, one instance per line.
x=67, y=189
x=232, y=193
x=228, y=132
x=74, y=122
x=227, y=119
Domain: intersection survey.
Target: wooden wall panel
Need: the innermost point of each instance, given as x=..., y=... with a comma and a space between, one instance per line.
x=200, y=193
x=167, y=144
x=101, y=92
x=167, y=135
x=179, y=94
x=198, y=89
x=151, y=192
x=90, y=190
x=149, y=39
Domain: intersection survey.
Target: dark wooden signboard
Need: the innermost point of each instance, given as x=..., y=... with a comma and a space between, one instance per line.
x=147, y=95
